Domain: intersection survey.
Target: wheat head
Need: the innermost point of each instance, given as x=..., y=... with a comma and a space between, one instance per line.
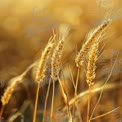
x=91, y=39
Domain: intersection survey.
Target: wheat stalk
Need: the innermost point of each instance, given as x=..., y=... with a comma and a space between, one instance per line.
x=93, y=37
x=66, y=100
x=90, y=74
x=56, y=60
x=55, y=65
x=41, y=71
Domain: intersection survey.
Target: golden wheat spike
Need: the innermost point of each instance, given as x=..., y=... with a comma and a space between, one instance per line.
x=41, y=71
x=7, y=94
x=56, y=60
x=12, y=85
x=56, y=57
x=40, y=74
x=90, y=74
x=91, y=39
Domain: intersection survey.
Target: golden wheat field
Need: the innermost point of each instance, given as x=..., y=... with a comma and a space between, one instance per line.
x=60, y=61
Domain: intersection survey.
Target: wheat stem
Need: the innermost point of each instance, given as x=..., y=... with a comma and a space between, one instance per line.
x=56, y=60
x=76, y=86
x=65, y=100
x=1, y=111
x=52, y=105
x=36, y=102
x=89, y=100
x=47, y=94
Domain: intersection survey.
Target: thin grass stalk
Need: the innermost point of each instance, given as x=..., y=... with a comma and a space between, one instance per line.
x=36, y=102
x=46, y=99
x=95, y=90
x=1, y=111
x=75, y=95
x=89, y=101
x=109, y=112
x=65, y=100
x=76, y=86
x=52, y=105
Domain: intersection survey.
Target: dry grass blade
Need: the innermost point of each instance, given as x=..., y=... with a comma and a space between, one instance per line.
x=18, y=114
x=105, y=114
x=95, y=90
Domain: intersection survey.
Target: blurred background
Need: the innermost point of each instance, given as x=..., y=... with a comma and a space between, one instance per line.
x=25, y=28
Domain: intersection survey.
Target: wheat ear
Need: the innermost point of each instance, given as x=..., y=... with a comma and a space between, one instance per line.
x=90, y=73
x=56, y=60
x=41, y=71
x=91, y=38
x=40, y=74
x=11, y=87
